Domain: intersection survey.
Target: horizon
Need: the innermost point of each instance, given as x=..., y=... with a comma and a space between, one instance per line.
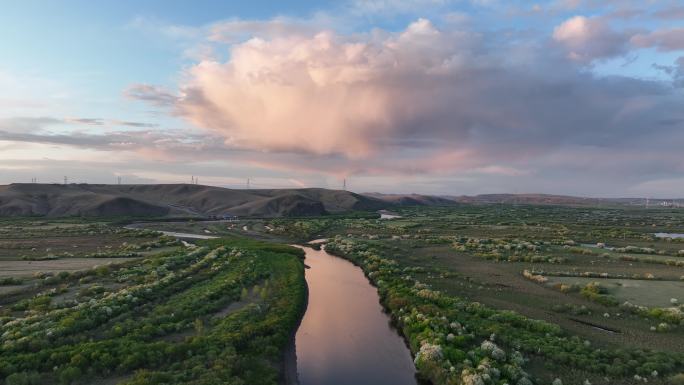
x=445, y=195
x=433, y=97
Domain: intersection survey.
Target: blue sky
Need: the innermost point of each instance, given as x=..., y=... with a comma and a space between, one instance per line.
x=396, y=96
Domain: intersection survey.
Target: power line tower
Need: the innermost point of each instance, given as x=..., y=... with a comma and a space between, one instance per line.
x=248, y=183
x=344, y=184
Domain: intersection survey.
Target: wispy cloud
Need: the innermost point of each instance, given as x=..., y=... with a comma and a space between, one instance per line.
x=156, y=95
x=664, y=40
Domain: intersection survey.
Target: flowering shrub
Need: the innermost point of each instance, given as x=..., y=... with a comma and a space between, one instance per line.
x=451, y=338
x=534, y=277
x=506, y=250
x=114, y=331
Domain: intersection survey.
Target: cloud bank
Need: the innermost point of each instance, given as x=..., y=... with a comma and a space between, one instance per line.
x=423, y=99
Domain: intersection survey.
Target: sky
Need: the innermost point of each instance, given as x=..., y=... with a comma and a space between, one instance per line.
x=447, y=97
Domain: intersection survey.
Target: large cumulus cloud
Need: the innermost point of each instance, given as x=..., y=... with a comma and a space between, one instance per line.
x=328, y=94
x=422, y=92
x=487, y=108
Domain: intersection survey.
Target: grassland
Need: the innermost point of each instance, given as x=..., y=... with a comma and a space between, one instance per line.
x=484, y=294
x=466, y=265
x=222, y=312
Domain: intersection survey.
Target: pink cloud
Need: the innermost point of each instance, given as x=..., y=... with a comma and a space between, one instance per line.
x=663, y=40
x=589, y=38
x=420, y=101
x=323, y=94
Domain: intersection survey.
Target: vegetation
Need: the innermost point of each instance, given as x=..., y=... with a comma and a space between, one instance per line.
x=458, y=341
x=164, y=322
x=453, y=280
x=483, y=294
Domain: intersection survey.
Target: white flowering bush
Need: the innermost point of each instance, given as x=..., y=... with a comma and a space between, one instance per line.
x=428, y=353
x=463, y=330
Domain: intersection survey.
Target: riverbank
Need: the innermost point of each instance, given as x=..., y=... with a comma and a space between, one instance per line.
x=289, y=363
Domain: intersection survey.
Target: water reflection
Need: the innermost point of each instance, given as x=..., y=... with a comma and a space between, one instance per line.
x=345, y=338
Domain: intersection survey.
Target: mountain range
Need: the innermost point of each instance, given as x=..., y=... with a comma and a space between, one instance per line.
x=168, y=200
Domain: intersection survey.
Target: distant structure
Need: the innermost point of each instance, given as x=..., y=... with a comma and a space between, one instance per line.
x=247, y=183
x=34, y=180
x=229, y=217
x=344, y=184
x=65, y=180
x=673, y=204
x=224, y=217
x=118, y=180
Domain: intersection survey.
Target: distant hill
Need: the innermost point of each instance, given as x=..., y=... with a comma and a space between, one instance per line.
x=565, y=200
x=413, y=199
x=55, y=200
x=529, y=199
x=164, y=200
x=535, y=199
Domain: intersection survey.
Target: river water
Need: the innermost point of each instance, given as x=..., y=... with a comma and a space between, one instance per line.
x=345, y=338
x=669, y=235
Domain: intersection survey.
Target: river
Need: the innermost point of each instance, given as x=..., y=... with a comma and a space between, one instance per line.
x=345, y=338
x=669, y=235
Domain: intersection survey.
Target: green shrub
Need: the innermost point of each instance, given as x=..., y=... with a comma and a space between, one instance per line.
x=24, y=378
x=9, y=281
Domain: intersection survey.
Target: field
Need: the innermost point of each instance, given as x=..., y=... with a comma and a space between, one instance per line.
x=484, y=294
x=502, y=258
x=659, y=294
x=38, y=239
x=222, y=311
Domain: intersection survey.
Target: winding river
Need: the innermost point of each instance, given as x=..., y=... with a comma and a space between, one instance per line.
x=345, y=338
